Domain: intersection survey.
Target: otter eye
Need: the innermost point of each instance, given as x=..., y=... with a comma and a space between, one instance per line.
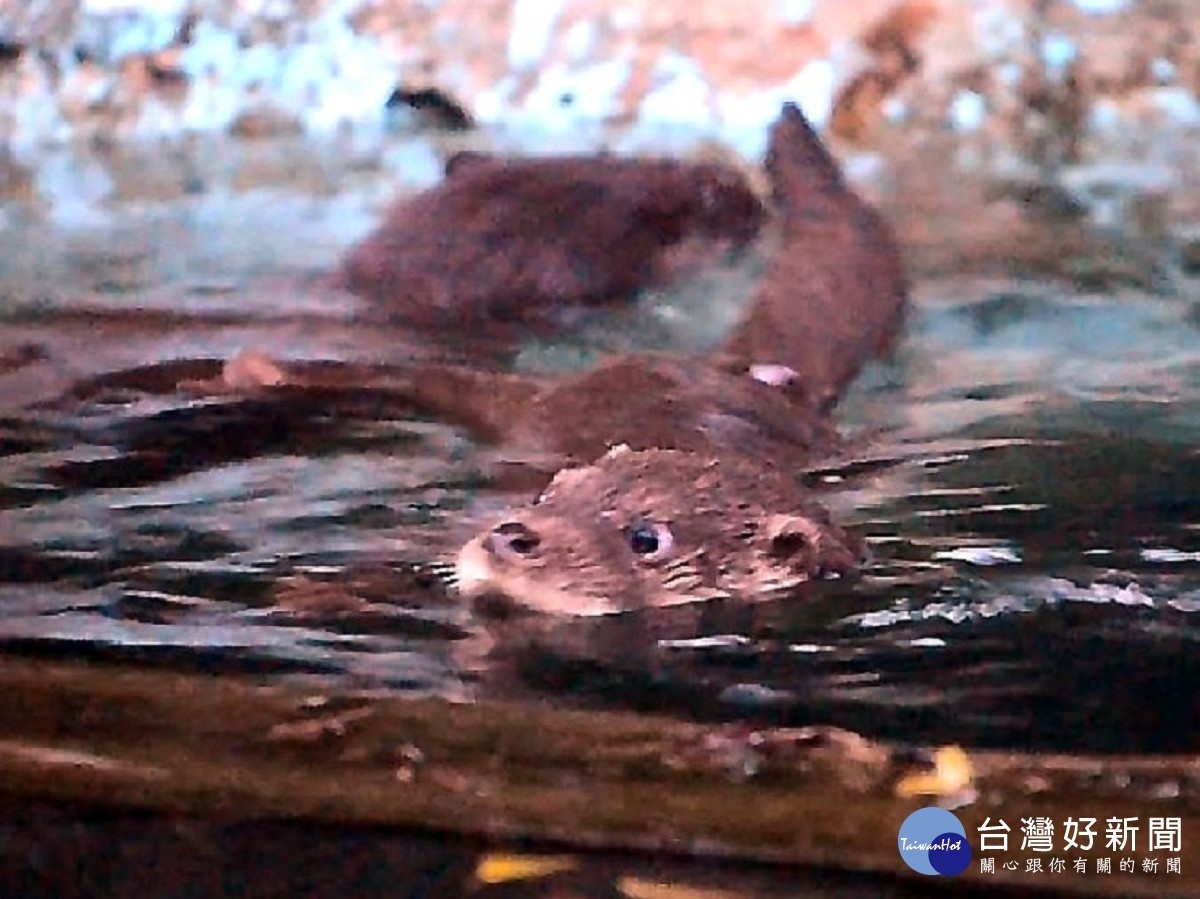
x=643, y=540
x=650, y=540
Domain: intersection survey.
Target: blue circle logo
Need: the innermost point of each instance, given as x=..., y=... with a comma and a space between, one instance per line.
x=933, y=841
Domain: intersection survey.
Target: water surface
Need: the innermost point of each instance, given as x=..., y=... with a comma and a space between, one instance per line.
x=1025, y=472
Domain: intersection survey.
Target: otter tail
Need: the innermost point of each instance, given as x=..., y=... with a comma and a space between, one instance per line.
x=835, y=291
x=805, y=178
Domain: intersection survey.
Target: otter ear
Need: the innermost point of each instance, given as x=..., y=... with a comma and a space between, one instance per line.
x=565, y=480
x=794, y=537
x=824, y=551
x=250, y=369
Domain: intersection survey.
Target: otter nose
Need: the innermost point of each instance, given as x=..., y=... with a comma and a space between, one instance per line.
x=512, y=540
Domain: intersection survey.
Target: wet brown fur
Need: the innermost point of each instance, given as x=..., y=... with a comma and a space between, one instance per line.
x=835, y=292
x=644, y=401
x=520, y=239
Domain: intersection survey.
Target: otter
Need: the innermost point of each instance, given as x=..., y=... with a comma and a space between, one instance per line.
x=523, y=239
x=701, y=499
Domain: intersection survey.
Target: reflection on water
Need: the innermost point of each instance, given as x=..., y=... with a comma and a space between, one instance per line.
x=1025, y=472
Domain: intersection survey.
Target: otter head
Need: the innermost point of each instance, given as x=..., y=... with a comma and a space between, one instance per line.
x=654, y=528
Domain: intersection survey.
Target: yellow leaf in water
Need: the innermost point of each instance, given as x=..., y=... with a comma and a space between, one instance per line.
x=636, y=888
x=952, y=774
x=502, y=868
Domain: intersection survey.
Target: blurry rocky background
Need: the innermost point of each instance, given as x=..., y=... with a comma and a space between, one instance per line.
x=981, y=124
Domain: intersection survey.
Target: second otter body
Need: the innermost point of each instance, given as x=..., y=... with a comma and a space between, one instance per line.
x=521, y=239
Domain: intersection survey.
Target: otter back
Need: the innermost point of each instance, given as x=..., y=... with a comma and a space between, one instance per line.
x=650, y=401
x=517, y=239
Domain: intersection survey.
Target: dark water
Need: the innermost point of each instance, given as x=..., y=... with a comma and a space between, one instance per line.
x=1026, y=473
